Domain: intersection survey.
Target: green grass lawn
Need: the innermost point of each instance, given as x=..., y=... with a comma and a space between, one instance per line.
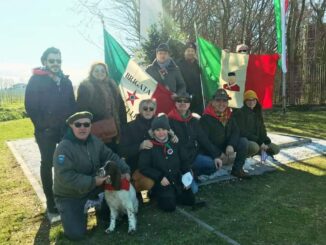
x=284, y=207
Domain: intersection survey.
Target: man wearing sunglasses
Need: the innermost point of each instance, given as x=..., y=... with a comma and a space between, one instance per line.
x=49, y=100
x=242, y=48
x=195, y=145
x=76, y=161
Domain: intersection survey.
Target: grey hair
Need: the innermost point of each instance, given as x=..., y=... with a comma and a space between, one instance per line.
x=147, y=101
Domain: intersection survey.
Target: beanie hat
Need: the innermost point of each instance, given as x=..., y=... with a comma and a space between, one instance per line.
x=161, y=121
x=79, y=115
x=183, y=95
x=162, y=47
x=250, y=94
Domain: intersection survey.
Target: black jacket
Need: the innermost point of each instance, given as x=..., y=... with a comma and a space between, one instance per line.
x=191, y=74
x=251, y=124
x=157, y=163
x=221, y=136
x=192, y=139
x=132, y=135
x=173, y=80
x=47, y=103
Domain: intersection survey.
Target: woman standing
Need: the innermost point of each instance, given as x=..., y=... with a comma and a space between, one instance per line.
x=100, y=95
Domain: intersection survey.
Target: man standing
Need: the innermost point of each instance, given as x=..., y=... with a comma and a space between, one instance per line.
x=49, y=100
x=165, y=71
x=191, y=74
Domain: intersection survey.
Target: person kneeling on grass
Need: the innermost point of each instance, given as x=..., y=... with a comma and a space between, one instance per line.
x=163, y=164
x=76, y=160
x=251, y=124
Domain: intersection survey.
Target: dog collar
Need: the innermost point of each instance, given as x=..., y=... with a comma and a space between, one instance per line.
x=125, y=185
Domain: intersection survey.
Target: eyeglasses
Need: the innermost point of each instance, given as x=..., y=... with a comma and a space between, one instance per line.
x=147, y=108
x=52, y=61
x=182, y=101
x=85, y=124
x=242, y=51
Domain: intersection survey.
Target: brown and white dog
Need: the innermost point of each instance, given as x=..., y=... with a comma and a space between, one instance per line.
x=120, y=195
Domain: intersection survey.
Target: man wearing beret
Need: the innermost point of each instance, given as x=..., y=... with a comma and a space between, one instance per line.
x=165, y=71
x=190, y=71
x=49, y=100
x=76, y=160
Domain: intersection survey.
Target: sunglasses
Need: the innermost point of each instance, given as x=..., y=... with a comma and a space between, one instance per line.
x=85, y=124
x=182, y=101
x=52, y=61
x=146, y=108
x=242, y=51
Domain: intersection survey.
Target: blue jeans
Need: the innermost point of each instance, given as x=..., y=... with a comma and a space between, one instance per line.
x=73, y=218
x=203, y=165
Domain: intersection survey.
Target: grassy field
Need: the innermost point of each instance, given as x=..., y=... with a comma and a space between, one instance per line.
x=12, y=111
x=284, y=207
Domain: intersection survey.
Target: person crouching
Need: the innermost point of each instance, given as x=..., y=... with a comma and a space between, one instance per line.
x=163, y=164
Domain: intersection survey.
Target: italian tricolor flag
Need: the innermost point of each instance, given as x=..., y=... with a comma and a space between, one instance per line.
x=134, y=83
x=255, y=72
x=280, y=9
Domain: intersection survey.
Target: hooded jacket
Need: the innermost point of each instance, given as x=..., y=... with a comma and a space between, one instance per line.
x=172, y=80
x=76, y=162
x=192, y=139
x=47, y=102
x=221, y=136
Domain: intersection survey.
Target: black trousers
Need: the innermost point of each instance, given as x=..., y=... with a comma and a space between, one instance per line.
x=169, y=196
x=47, y=141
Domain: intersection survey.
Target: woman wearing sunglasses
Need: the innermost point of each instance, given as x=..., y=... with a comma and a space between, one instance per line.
x=100, y=95
x=76, y=159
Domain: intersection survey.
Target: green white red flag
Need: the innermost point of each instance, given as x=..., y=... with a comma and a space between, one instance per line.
x=134, y=83
x=255, y=72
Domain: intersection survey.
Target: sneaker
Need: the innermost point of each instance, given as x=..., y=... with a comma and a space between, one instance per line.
x=53, y=217
x=240, y=174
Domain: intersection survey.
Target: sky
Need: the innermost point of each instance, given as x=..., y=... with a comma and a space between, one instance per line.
x=28, y=27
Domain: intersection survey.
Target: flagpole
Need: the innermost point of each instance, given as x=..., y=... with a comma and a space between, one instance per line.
x=200, y=76
x=283, y=55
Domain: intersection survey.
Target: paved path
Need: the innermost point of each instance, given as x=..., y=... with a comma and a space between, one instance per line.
x=293, y=148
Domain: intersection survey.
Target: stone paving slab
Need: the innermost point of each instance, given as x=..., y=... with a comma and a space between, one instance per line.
x=293, y=148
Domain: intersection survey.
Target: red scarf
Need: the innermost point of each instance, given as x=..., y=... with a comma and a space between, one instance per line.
x=222, y=117
x=174, y=115
x=125, y=185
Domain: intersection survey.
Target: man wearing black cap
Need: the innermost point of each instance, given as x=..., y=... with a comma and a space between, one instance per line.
x=76, y=160
x=221, y=127
x=194, y=143
x=191, y=74
x=49, y=100
x=165, y=71
x=231, y=83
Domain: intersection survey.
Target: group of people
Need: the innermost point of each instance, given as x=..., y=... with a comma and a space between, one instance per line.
x=154, y=151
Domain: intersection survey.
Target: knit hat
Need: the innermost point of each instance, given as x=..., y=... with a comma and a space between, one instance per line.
x=249, y=95
x=79, y=115
x=162, y=47
x=191, y=45
x=160, y=121
x=242, y=47
x=221, y=94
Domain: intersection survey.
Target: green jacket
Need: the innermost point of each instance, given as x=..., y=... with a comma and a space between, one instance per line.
x=251, y=124
x=76, y=162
